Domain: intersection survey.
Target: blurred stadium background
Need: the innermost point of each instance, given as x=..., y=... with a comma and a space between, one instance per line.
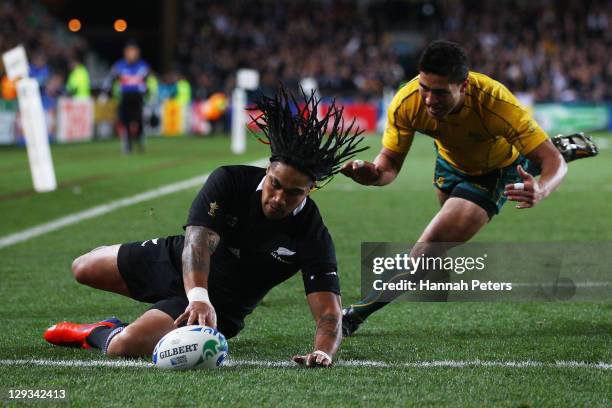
x=554, y=55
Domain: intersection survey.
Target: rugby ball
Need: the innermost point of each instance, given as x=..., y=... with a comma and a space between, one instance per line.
x=190, y=347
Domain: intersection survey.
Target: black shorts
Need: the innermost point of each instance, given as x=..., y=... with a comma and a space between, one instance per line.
x=130, y=108
x=151, y=275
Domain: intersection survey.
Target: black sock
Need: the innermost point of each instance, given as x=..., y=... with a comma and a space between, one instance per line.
x=99, y=336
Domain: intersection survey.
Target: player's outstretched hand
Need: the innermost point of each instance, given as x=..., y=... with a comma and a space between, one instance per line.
x=362, y=172
x=202, y=313
x=315, y=359
x=528, y=193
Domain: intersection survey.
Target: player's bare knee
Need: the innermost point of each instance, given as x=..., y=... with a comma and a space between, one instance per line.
x=85, y=266
x=123, y=344
x=118, y=347
x=80, y=269
x=128, y=343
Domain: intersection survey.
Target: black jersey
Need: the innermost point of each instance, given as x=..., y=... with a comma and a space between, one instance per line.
x=256, y=253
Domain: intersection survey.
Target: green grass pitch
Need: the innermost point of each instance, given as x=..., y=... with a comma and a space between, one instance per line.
x=37, y=290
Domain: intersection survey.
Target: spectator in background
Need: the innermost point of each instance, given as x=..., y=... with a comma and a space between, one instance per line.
x=152, y=88
x=168, y=88
x=559, y=54
x=183, y=90
x=48, y=44
x=176, y=86
x=203, y=86
x=333, y=42
x=77, y=84
x=561, y=51
x=355, y=49
x=131, y=73
x=40, y=71
x=55, y=88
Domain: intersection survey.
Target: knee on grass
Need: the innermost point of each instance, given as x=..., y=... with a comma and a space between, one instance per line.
x=128, y=344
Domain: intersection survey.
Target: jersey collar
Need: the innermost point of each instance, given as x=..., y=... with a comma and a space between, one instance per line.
x=297, y=209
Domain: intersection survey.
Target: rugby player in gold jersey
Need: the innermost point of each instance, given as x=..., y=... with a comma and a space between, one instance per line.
x=489, y=150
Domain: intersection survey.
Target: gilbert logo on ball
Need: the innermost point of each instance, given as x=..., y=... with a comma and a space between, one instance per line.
x=190, y=347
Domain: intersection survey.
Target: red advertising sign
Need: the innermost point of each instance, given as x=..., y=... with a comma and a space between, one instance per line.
x=75, y=120
x=364, y=114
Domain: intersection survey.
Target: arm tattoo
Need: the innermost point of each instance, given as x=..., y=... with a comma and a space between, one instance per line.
x=329, y=325
x=200, y=243
x=212, y=239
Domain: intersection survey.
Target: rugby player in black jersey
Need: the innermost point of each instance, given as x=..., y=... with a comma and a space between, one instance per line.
x=248, y=230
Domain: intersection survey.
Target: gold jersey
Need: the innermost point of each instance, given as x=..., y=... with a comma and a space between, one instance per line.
x=488, y=133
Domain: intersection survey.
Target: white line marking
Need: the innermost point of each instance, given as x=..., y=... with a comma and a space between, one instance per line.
x=76, y=363
x=341, y=363
x=96, y=211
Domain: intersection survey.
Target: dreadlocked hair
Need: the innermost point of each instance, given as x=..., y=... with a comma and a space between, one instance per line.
x=297, y=137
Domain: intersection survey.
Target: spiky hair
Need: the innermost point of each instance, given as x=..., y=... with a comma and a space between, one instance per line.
x=316, y=146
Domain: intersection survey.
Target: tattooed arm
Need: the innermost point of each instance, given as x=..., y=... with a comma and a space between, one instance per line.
x=327, y=312
x=200, y=243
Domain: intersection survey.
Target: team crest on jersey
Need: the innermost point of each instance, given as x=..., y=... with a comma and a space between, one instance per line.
x=282, y=252
x=213, y=209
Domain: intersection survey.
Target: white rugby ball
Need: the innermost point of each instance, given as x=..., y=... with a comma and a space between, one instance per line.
x=190, y=347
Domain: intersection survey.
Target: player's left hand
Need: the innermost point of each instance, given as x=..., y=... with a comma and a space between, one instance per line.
x=315, y=359
x=528, y=193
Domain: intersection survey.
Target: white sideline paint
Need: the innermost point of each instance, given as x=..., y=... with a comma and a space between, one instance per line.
x=96, y=211
x=341, y=363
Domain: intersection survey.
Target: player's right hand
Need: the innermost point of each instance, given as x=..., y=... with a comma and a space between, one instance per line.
x=202, y=313
x=362, y=172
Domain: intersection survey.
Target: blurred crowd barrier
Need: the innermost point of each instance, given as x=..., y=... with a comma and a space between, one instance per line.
x=85, y=119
